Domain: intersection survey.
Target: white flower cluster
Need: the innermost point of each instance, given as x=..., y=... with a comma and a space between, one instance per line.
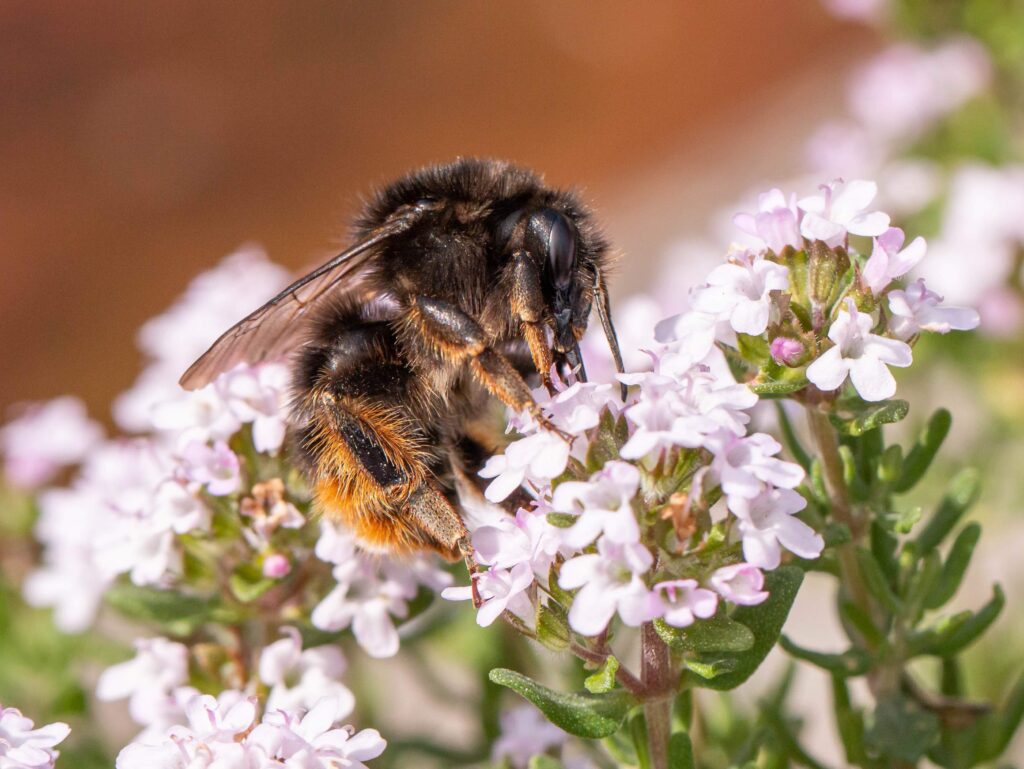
x=688, y=400
x=225, y=732
x=893, y=99
x=132, y=500
x=22, y=746
x=864, y=357
x=370, y=592
x=45, y=438
x=679, y=404
x=305, y=700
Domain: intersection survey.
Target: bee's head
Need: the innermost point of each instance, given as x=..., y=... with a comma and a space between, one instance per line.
x=568, y=269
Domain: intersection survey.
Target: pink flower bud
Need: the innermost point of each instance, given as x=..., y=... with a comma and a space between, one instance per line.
x=276, y=566
x=786, y=350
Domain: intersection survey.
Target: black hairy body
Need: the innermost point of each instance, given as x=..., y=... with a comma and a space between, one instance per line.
x=465, y=280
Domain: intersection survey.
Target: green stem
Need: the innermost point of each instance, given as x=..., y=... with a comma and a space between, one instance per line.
x=656, y=673
x=839, y=500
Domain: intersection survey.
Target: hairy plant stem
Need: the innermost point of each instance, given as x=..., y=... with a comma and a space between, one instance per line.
x=656, y=674
x=839, y=499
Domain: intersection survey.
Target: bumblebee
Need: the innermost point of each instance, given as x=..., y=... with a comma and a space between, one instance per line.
x=464, y=281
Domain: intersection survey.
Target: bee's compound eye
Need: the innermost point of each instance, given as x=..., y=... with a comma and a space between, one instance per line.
x=562, y=251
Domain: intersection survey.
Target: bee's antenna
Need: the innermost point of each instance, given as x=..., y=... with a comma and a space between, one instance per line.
x=604, y=311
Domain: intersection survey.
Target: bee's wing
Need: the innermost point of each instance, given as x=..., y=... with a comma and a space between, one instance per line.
x=277, y=327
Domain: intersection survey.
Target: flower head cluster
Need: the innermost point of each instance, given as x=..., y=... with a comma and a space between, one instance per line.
x=44, y=438
x=22, y=746
x=897, y=96
x=225, y=731
x=831, y=323
x=618, y=515
x=369, y=594
x=524, y=734
x=200, y=483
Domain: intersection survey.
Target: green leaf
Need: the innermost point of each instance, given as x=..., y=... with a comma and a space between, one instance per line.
x=876, y=581
x=853, y=662
x=890, y=466
x=951, y=680
x=856, y=417
x=955, y=567
x=870, y=449
x=559, y=593
x=552, y=626
x=754, y=349
x=603, y=680
x=561, y=520
x=770, y=387
x=636, y=727
x=765, y=621
x=925, y=576
x=605, y=445
x=902, y=730
x=962, y=493
x=921, y=455
x=716, y=634
x=818, y=480
x=902, y=522
x=176, y=612
x=584, y=715
x=835, y=534
x=959, y=631
x=247, y=582
x=709, y=669
x=621, y=748
x=858, y=490
x=849, y=722
x=883, y=547
x=680, y=751
x=543, y=761
x=1001, y=726
x=855, y=617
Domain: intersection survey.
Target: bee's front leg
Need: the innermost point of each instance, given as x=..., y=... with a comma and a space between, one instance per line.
x=454, y=335
x=528, y=306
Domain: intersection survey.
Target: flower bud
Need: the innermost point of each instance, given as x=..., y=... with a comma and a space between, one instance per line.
x=786, y=351
x=826, y=267
x=276, y=566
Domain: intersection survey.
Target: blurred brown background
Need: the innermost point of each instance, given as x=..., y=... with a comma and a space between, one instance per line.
x=140, y=142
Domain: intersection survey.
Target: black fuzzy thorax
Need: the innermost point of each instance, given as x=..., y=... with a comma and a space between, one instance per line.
x=453, y=254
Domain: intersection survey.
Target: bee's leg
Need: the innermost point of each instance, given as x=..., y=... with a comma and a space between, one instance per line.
x=528, y=306
x=370, y=474
x=431, y=512
x=469, y=554
x=456, y=336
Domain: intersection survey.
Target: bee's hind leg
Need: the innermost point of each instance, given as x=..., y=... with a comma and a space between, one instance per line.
x=430, y=512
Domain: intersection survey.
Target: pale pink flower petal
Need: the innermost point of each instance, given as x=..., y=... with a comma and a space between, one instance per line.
x=865, y=356
x=740, y=584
